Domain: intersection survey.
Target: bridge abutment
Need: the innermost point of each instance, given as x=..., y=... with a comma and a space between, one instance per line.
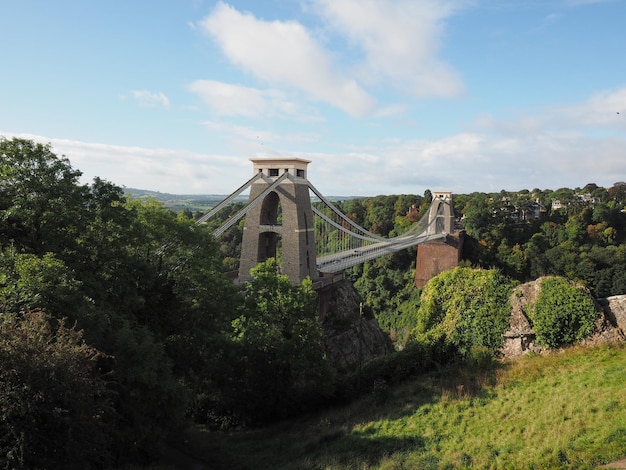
x=437, y=256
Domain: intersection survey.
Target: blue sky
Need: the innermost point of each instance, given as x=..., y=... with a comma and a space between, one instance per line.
x=383, y=96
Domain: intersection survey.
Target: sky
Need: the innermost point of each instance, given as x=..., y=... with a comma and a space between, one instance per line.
x=382, y=96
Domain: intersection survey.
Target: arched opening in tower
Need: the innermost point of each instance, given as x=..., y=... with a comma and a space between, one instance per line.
x=441, y=218
x=270, y=224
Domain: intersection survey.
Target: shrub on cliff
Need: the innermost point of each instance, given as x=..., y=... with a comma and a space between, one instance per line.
x=464, y=308
x=563, y=313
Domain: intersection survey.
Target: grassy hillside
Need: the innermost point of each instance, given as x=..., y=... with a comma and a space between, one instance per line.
x=566, y=410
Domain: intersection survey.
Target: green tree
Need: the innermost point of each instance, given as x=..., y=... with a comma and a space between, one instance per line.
x=55, y=409
x=29, y=282
x=382, y=284
x=428, y=196
x=279, y=337
x=145, y=286
x=406, y=317
x=189, y=302
x=477, y=215
x=41, y=201
x=380, y=214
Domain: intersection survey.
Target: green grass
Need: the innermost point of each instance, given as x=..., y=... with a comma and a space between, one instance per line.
x=566, y=410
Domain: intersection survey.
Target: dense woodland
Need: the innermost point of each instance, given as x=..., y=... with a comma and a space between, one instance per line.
x=119, y=325
x=520, y=234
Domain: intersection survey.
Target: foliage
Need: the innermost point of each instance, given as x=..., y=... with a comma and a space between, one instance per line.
x=574, y=240
x=407, y=312
x=28, y=282
x=282, y=367
x=563, y=313
x=566, y=410
x=40, y=199
x=395, y=368
x=145, y=285
x=384, y=284
x=465, y=308
x=55, y=410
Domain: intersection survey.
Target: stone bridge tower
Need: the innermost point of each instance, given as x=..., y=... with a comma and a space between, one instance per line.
x=436, y=256
x=282, y=222
x=441, y=214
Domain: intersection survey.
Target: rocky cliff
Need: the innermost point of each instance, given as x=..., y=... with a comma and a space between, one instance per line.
x=351, y=338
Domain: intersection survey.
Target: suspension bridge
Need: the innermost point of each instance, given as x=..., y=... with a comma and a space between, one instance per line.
x=314, y=239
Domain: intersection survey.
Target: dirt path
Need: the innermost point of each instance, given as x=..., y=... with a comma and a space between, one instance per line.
x=618, y=464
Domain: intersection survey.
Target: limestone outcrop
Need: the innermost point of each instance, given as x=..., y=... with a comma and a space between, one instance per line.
x=351, y=337
x=615, y=308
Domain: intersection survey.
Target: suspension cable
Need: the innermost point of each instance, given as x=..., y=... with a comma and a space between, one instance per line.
x=332, y=207
x=229, y=199
x=234, y=218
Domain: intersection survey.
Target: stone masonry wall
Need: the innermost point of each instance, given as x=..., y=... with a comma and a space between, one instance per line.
x=437, y=256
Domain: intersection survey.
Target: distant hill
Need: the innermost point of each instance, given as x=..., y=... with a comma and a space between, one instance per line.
x=197, y=202
x=178, y=202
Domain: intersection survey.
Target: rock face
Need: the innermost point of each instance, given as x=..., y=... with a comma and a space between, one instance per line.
x=519, y=339
x=351, y=338
x=615, y=308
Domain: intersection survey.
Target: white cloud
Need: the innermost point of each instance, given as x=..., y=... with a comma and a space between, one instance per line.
x=559, y=146
x=226, y=99
x=400, y=41
x=552, y=147
x=149, y=99
x=284, y=53
x=244, y=132
x=547, y=148
x=165, y=170
x=605, y=109
x=397, y=46
x=256, y=140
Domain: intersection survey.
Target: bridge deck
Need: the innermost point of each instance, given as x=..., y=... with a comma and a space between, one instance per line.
x=340, y=261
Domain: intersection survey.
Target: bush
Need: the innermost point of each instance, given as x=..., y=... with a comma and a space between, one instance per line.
x=465, y=309
x=563, y=313
x=54, y=407
x=416, y=358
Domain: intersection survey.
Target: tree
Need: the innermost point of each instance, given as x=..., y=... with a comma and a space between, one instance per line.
x=55, y=409
x=29, y=282
x=428, y=196
x=40, y=199
x=144, y=285
x=382, y=284
x=618, y=192
x=477, y=216
x=380, y=215
x=279, y=338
